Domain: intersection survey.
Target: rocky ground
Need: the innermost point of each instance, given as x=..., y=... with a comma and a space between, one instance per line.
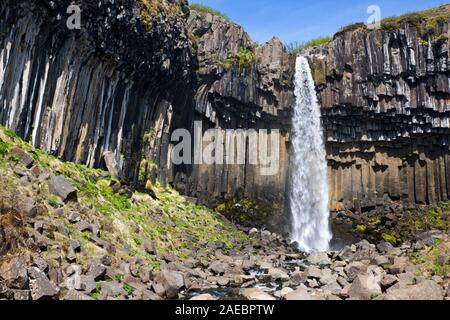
x=70, y=232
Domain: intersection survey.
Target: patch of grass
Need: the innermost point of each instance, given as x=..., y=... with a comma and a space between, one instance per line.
x=428, y=258
x=352, y=27
x=137, y=240
x=390, y=238
x=408, y=225
x=96, y=293
x=10, y=134
x=53, y=202
x=296, y=46
x=374, y=296
x=14, y=157
x=128, y=289
x=118, y=278
x=153, y=10
x=361, y=228
x=427, y=22
x=200, y=8
x=86, y=236
x=4, y=149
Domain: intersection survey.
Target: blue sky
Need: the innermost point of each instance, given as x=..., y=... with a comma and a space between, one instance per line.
x=302, y=20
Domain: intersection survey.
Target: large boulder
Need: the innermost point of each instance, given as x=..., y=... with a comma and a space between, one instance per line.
x=277, y=274
x=255, y=294
x=59, y=186
x=353, y=269
x=319, y=258
x=76, y=295
x=41, y=287
x=425, y=290
x=399, y=266
x=301, y=294
x=112, y=165
x=219, y=267
x=24, y=157
x=28, y=207
x=364, y=287
x=171, y=282
x=203, y=297
x=14, y=273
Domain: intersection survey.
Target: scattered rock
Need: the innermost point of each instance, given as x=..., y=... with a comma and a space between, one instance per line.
x=76, y=295
x=28, y=208
x=319, y=258
x=313, y=272
x=255, y=294
x=399, y=265
x=24, y=157
x=41, y=287
x=332, y=287
x=301, y=294
x=111, y=164
x=59, y=186
x=364, y=287
x=75, y=245
x=388, y=281
x=203, y=297
x=219, y=267
x=426, y=290
x=14, y=273
x=171, y=281
x=277, y=274
x=149, y=246
x=354, y=269
x=283, y=292
x=21, y=295
x=74, y=217
x=97, y=271
x=380, y=261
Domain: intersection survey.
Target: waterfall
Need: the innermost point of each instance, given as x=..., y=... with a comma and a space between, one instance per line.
x=309, y=182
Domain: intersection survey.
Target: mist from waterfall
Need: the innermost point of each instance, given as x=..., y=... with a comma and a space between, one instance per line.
x=309, y=182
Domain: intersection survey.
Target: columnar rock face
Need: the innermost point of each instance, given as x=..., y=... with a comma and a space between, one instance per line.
x=79, y=93
x=240, y=86
x=385, y=98
x=121, y=86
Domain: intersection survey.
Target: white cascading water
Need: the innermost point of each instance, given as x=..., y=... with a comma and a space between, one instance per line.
x=309, y=182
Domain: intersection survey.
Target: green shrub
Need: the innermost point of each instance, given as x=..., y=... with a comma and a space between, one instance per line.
x=53, y=202
x=244, y=58
x=4, y=149
x=128, y=289
x=200, y=8
x=152, y=10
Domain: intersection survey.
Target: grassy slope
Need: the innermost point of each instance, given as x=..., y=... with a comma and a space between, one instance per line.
x=174, y=225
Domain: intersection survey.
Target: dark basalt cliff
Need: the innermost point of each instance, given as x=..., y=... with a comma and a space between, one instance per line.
x=122, y=84
x=135, y=72
x=256, y=93
x=385, y=97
